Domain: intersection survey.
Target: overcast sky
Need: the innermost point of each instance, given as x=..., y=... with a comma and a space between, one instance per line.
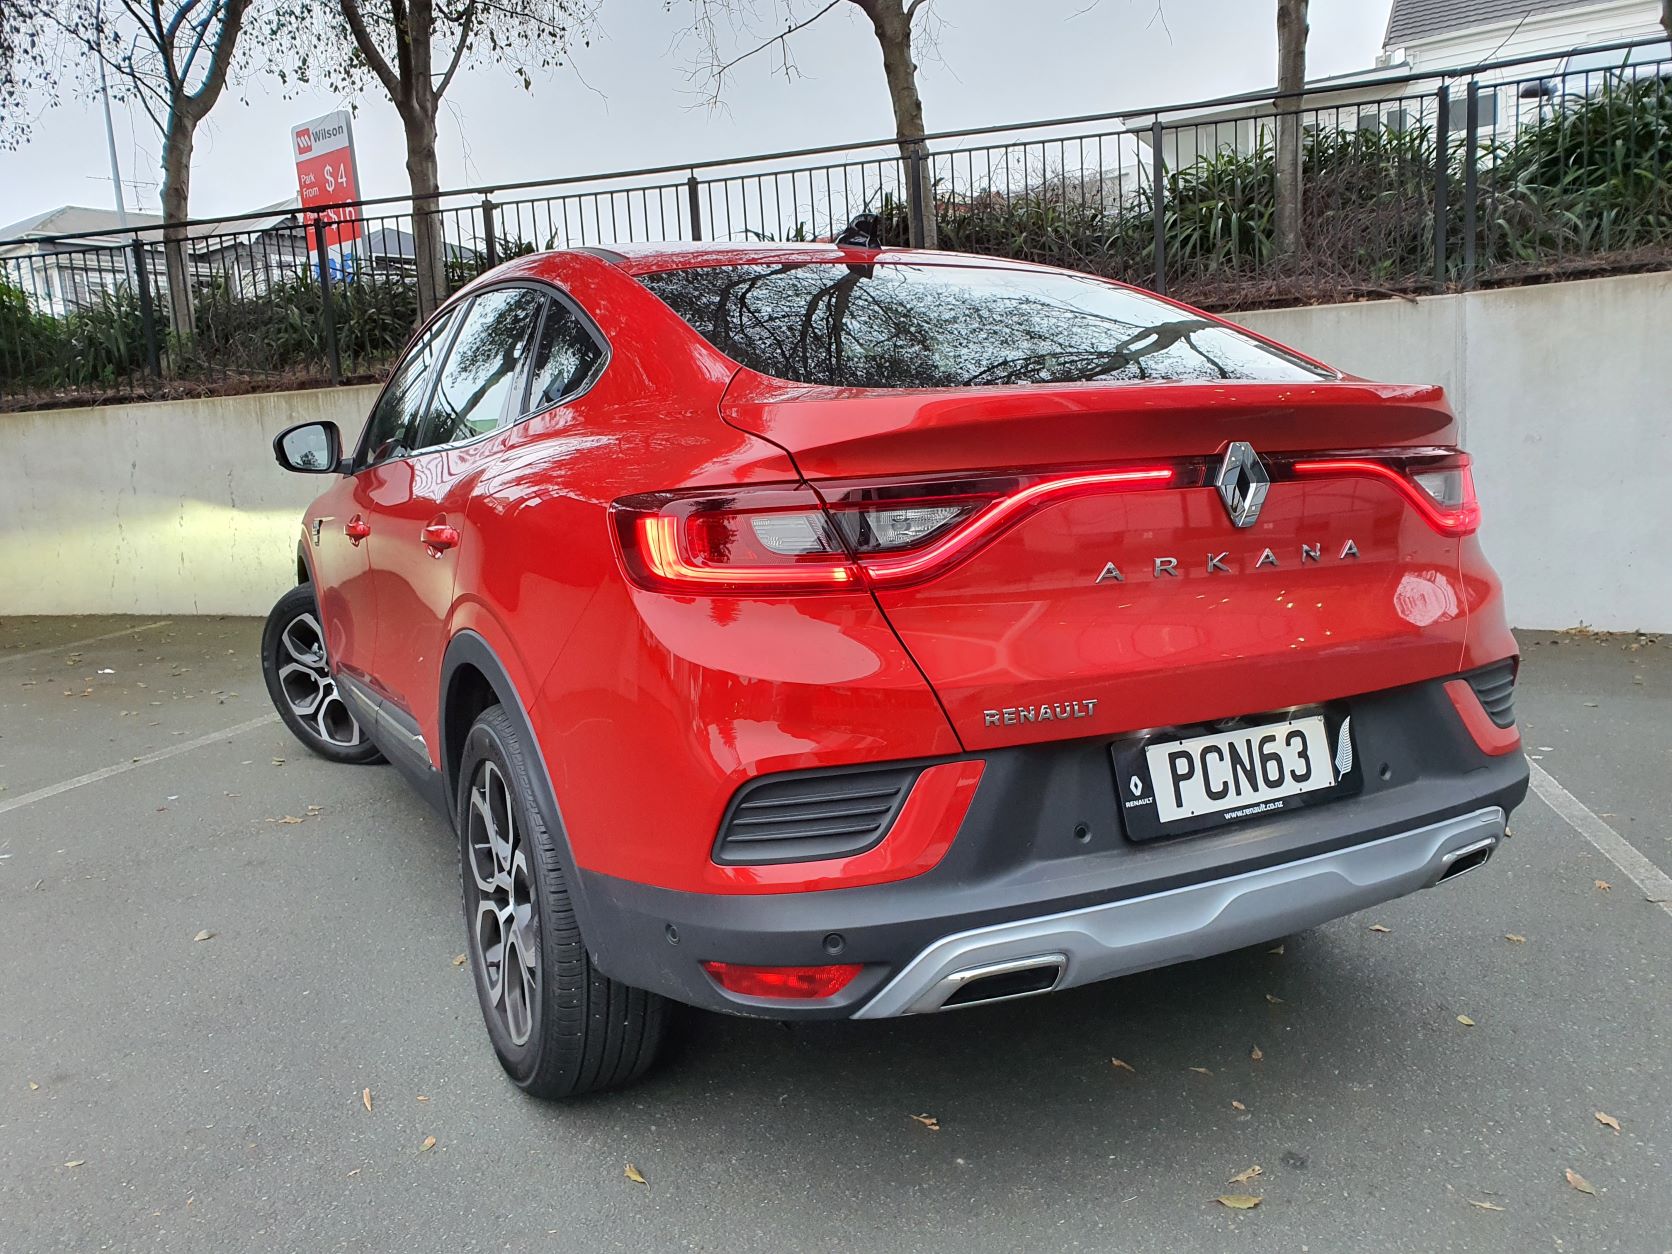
x=629, y=102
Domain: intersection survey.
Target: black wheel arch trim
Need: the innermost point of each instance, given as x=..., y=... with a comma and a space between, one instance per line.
x=468, y=648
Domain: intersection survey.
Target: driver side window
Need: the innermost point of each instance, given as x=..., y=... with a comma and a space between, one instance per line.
x=394, y=422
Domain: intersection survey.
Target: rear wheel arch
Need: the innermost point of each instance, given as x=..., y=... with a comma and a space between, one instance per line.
x=473, y=679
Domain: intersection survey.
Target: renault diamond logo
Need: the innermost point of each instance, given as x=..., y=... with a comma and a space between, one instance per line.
x=1137, y=786
x=1242, y=482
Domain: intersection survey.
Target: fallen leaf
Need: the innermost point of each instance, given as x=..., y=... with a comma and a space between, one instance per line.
x=278, y=761
x=82, y=1162
x=1239, y=1201
x=316, y=809
x=460, y=959
x=1579, y=1182
x=1255, y=1054
x=355, y=1172
x=928, y=1121
x=1466, y=1021
x=1201, y=1071
x=1276, y=949
x=1236, y=1105
x=287, y=819
x=429, y=1144
x=1515, y=938
x=422, y=1098
x=33, y=1086
x=1120, y=1065
x=1484, y=1205
x=204, y=935
x=633, y=1174
x=1377, y=927
x=1608, y=1121
x=1243, y=1177
x=1274, y=999
x=366, y=1100
x=1603, y=886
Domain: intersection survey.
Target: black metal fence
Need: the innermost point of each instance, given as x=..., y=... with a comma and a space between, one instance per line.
x=1529, y=168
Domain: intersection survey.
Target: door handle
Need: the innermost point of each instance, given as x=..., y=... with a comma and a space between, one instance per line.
x=357, y=529
x=438, y=537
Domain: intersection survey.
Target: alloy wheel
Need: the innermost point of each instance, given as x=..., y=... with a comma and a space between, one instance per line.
x=311, y=692
x=505, y=930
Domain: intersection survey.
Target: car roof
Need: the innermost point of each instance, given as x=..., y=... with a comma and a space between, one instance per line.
x=652, y=258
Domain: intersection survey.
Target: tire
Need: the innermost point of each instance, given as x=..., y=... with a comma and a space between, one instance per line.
x=298, y=675
x=560, y=1027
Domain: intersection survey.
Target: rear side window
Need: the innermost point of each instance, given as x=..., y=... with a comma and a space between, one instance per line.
x=896, y=325
x=475, y=392
x=394, y=422
x=566, y=358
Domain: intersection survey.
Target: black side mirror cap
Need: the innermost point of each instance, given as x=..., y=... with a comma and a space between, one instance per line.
x=310, y=448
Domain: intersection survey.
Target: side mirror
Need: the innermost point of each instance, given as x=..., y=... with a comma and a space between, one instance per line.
x=313, y=448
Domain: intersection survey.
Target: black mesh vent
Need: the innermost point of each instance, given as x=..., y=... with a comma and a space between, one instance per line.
x=812, y=816
x=1495, y=686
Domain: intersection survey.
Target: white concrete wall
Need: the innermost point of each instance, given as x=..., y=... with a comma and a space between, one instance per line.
x=178, y=508
x=1563, y=394
x=162, y=508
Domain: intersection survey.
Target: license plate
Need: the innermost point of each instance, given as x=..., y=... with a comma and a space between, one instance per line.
x=1173, y=785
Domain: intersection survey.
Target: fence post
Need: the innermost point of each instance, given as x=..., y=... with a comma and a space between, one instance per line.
x=328, y=302
x=147, y=315
x=917, y=231
x=487, y=232
x=1158, y=199
x=1442, y=210
x=691, y=190
x=1471, y=183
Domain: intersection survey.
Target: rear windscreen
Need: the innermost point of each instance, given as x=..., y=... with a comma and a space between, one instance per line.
x=897, y=325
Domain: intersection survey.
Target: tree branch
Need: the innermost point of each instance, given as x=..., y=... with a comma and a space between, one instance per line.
x=368, y=47
x=458, y=50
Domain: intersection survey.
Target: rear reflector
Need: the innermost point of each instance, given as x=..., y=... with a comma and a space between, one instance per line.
x=783, y=983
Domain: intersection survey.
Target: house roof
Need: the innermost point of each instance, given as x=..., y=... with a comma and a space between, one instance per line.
x=75, y=220
x=1422, y=19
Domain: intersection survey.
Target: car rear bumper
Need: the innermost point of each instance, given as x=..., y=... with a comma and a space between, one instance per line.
x=1042, y=866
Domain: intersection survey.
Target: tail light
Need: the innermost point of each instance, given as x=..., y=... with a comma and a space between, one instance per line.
x=791, y=539
x=1442, y=488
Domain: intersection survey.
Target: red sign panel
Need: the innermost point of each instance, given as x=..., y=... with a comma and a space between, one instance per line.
x=326, y=174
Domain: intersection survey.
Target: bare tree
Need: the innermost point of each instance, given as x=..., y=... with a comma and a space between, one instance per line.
x=1291, y=83
x=891, y=22
x=172, y=57
x=415, y=48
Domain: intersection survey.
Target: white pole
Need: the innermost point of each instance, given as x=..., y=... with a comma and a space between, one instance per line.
x=110, y=129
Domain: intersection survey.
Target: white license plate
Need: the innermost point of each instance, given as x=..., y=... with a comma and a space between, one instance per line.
x=1240, y=772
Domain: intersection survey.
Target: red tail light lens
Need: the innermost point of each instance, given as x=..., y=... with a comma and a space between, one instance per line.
x=755, y=540
x=1441, y=488
x=783, y=983
x=907, y=533
x=791, y=539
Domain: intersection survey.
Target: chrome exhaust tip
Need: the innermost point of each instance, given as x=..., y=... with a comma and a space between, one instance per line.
x=1462, y=861
x=995, y=982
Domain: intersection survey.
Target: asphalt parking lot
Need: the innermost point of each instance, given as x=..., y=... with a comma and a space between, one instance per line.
x=160, y=1092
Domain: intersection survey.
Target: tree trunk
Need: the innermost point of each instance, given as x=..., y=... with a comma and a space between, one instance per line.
x=1291, y=82
x=177, y=184
x=429, y=253
x=891, y=20
x=1666, y=17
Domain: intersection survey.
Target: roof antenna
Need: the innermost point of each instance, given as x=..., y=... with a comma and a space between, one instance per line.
x=865, y=231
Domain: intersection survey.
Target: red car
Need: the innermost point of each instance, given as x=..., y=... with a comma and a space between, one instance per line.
x=827, y=631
